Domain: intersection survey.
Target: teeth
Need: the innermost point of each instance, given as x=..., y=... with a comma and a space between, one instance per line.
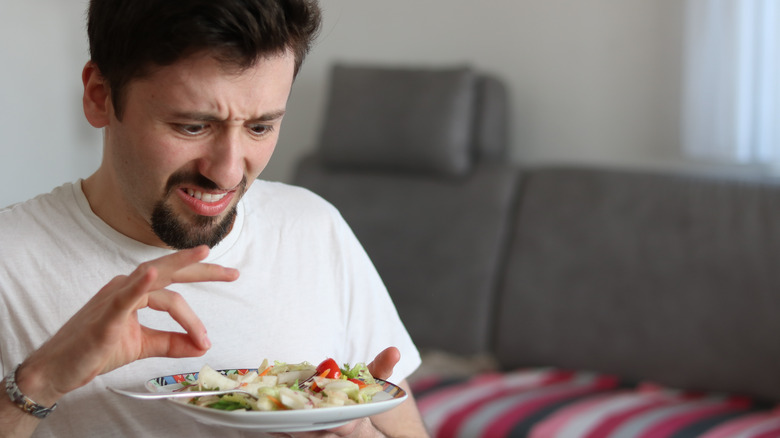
x=205, y=197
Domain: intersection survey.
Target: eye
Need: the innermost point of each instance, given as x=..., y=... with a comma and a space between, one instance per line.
x=191, y=129
x=260, y=130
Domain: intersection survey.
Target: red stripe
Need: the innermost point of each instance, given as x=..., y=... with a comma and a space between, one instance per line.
x=433, y=399
x=560, y=419
x=503, y=423
x=680, y=420
x=614, y=421
x=426, y=383
x=456, y=418
x=739, y=425
x=773, y=432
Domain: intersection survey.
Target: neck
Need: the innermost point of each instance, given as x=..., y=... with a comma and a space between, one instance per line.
x=104, y=200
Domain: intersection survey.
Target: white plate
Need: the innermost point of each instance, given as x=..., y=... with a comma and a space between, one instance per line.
x=276, y=421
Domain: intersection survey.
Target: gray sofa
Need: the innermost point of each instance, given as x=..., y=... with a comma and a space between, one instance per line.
x=570, y=300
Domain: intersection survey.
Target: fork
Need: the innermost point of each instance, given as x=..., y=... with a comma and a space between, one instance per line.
x=304, y=384
x=189, y=394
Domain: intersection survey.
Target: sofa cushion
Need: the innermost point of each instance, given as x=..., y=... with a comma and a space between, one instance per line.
x=556, y=403
x=756, y=425
x=646, y=412
x=646, y=275
x=420, y=120
x=491, y=127
x=444, y=365
x=437, y=243
x=502, y=404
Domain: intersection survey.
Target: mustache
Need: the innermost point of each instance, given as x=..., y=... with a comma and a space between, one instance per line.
x=196, y=179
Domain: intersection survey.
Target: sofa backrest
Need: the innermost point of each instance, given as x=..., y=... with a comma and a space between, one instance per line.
x=665, y=278
x=413, y=160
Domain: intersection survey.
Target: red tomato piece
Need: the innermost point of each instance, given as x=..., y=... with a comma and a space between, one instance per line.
x=332, y=368
x=361, y=384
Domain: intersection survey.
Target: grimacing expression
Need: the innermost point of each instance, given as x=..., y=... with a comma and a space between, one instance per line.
x=192, y=138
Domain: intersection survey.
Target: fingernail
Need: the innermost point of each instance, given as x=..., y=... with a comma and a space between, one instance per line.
x=206, y=341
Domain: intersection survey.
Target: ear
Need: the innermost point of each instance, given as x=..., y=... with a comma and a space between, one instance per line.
x=97, y=96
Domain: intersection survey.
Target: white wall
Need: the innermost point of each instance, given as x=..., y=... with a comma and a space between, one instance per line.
x=44, y=138
x=592, y=81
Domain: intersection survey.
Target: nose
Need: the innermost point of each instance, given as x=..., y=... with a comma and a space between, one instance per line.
x=223, y=160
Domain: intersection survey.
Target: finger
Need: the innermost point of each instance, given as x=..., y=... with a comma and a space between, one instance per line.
x=185, y=267
x=157, y=343
x=382, y=366
x=133, y=289
x=176, y=306
x=204, y=272
x=170, y=264
x=182, y=258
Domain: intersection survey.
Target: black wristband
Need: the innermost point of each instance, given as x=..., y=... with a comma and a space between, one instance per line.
x=25, y=403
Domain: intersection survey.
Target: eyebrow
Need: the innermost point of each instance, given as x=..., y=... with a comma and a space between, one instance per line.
x=207, y=117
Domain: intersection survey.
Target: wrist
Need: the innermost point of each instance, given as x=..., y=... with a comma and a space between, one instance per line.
x=33, y=382
x=22, y=400
x=372, y=429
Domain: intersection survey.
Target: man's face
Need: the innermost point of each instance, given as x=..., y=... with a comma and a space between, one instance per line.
x=193, y=137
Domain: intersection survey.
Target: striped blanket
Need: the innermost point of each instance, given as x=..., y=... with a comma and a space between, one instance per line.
x=553, y=403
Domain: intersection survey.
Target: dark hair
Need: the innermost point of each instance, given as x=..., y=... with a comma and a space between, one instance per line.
x=128, y=37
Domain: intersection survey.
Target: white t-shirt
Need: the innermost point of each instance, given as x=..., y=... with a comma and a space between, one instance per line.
x=307, y=291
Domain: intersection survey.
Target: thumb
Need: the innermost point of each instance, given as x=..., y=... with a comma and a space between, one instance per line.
x=382, y=366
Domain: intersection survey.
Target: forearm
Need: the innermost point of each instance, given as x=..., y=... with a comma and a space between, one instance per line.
x=13, y=421
x=403, y=421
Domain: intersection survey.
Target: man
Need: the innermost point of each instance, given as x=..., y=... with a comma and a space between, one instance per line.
x=190, y=96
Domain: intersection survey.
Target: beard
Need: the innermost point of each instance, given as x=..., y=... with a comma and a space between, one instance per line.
x=179, y=234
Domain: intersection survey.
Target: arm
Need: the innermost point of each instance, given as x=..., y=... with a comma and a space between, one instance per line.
x=13, y=421
x=405, y=419
x=105, y=334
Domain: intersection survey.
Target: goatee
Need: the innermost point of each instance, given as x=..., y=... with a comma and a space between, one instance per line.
x=200, y=230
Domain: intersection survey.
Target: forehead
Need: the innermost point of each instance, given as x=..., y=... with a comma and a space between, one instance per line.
x=203, y=80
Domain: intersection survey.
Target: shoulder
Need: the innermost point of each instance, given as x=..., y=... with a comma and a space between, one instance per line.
x=279, y=200
x=297, y=215
x=45, y=221
x=41, y=208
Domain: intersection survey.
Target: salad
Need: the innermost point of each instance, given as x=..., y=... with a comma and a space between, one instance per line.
x=282, y=386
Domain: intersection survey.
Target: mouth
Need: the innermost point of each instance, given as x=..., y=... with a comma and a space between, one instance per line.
x=205, y=197
x=206, y=203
